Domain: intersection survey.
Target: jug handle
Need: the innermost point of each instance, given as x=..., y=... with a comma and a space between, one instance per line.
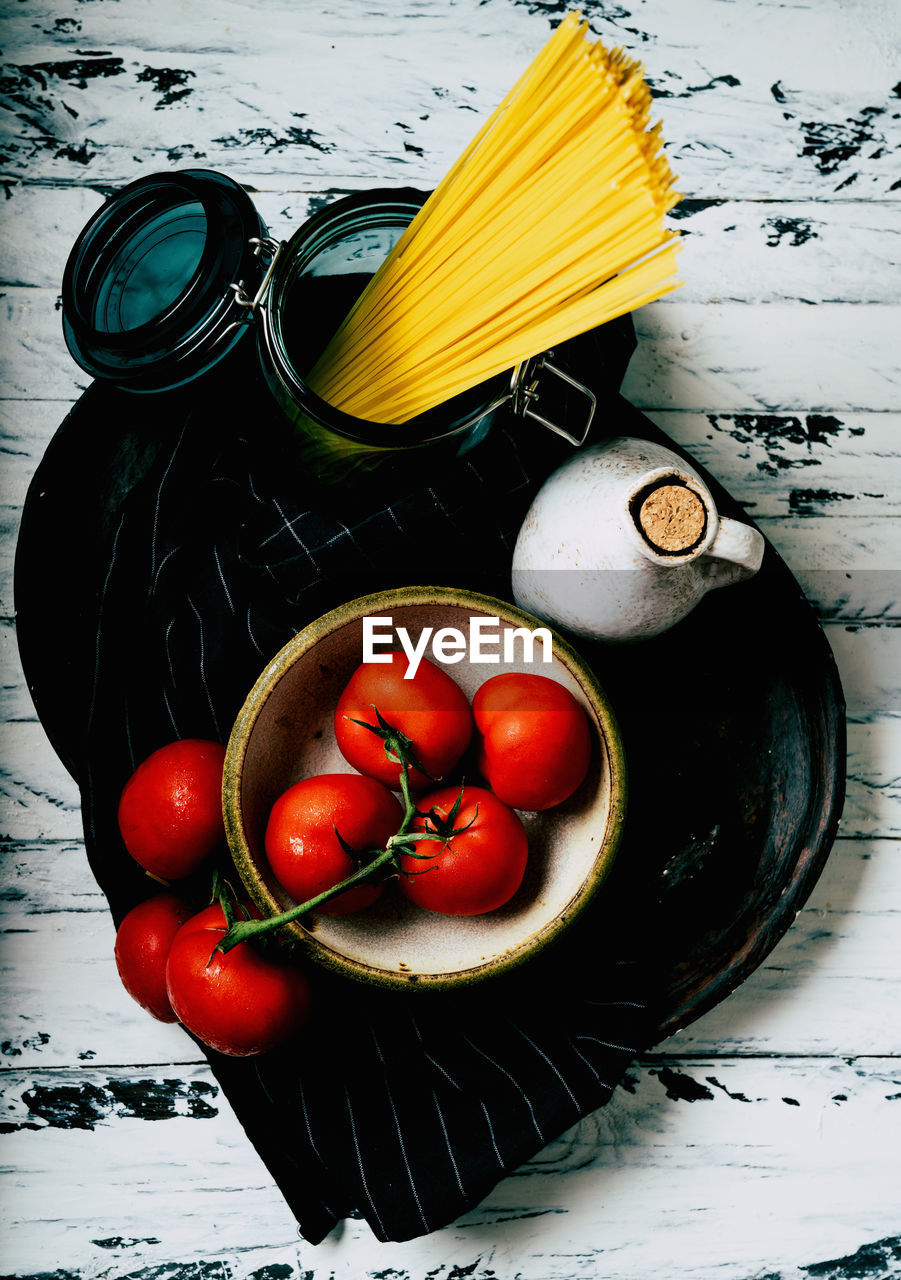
x=735, y=554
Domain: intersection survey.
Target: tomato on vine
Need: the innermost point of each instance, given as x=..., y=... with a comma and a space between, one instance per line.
x=241, y=1003
x=143, y=941
x=170, y=811
x=479, y=863
x=321, y=828
x=429, y=711
x=533, y=739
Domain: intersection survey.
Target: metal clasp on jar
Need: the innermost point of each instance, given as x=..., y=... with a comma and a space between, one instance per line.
x=525, y=388
x=262, y=248
x=524, y=393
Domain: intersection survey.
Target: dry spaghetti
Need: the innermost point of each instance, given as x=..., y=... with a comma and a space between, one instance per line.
x=551, y=222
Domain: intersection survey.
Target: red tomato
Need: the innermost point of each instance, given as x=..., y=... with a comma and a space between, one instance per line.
x=431, y=709
x=534, y=744
x=301, y=841
x=240, y=1003
x=142, y=949
x=170, y=813
x=475, y=871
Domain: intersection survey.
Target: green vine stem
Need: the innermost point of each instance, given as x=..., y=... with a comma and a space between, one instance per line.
x=223, y=894
x=397, y=749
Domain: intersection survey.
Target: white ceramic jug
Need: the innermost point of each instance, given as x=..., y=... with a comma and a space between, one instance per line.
x=623, y=541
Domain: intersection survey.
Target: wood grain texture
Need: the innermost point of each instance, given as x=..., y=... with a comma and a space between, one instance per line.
x=762, y=1142
x=797, y=464
x=790, y=465
x=812, y=995
x=720, y=359
x=750, y=1144
x=38, y=799
x=732, y=250
x=823, y=359
x=98, y=94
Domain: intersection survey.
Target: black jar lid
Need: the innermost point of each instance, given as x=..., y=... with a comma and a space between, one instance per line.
x=147, y=300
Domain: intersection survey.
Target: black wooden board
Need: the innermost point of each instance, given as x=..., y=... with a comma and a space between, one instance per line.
x=733, y=721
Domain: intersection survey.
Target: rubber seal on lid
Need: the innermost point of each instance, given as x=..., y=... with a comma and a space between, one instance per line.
x=146, y=299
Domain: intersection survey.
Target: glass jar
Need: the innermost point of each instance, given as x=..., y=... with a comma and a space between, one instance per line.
x=146, y=295
x=177, y=268
x=316, y=279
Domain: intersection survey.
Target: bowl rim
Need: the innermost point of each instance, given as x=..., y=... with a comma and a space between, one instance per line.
x=305, y=640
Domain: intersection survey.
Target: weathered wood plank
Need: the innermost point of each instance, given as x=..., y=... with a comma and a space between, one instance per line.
x=352, y=96
x=734, y=359
x=55, y=921
x=713, y=358
x=280, y=1263
x=732, y=251
x=38, y=799
x=794, y=472
x=845, y=554
x=832, y=986
x=811, y=252
x=788, y=464
x=34, y=362
x=846, y=567
x=831, y=981
x=807, y=1147
x=873, y=800
x=15, y=701
x=26, y=428
x=811, y=464
x=869, y=661
x=9, y=532
x=47, y=878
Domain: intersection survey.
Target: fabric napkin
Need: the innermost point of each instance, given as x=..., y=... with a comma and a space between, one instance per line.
x=405, y=1110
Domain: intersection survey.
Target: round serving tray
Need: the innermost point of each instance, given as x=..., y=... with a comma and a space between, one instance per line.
x=733, y=722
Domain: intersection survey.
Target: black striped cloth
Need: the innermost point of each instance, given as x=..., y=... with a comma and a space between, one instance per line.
x=405, y=1110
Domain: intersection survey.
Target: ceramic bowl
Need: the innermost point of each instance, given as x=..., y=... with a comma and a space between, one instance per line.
x=284, y=733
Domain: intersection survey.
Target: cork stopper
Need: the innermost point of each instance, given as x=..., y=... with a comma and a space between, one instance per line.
x=672, y=518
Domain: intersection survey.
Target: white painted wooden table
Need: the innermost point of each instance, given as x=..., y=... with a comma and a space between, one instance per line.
x=777, y=365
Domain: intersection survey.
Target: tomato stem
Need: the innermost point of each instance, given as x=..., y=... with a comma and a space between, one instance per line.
x=241, y=930
x=396, y=748
x=223, y=892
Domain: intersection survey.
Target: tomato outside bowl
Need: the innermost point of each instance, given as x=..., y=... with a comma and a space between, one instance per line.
x=284, y=732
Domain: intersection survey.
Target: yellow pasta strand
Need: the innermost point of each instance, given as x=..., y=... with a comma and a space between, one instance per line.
x=549, y=224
